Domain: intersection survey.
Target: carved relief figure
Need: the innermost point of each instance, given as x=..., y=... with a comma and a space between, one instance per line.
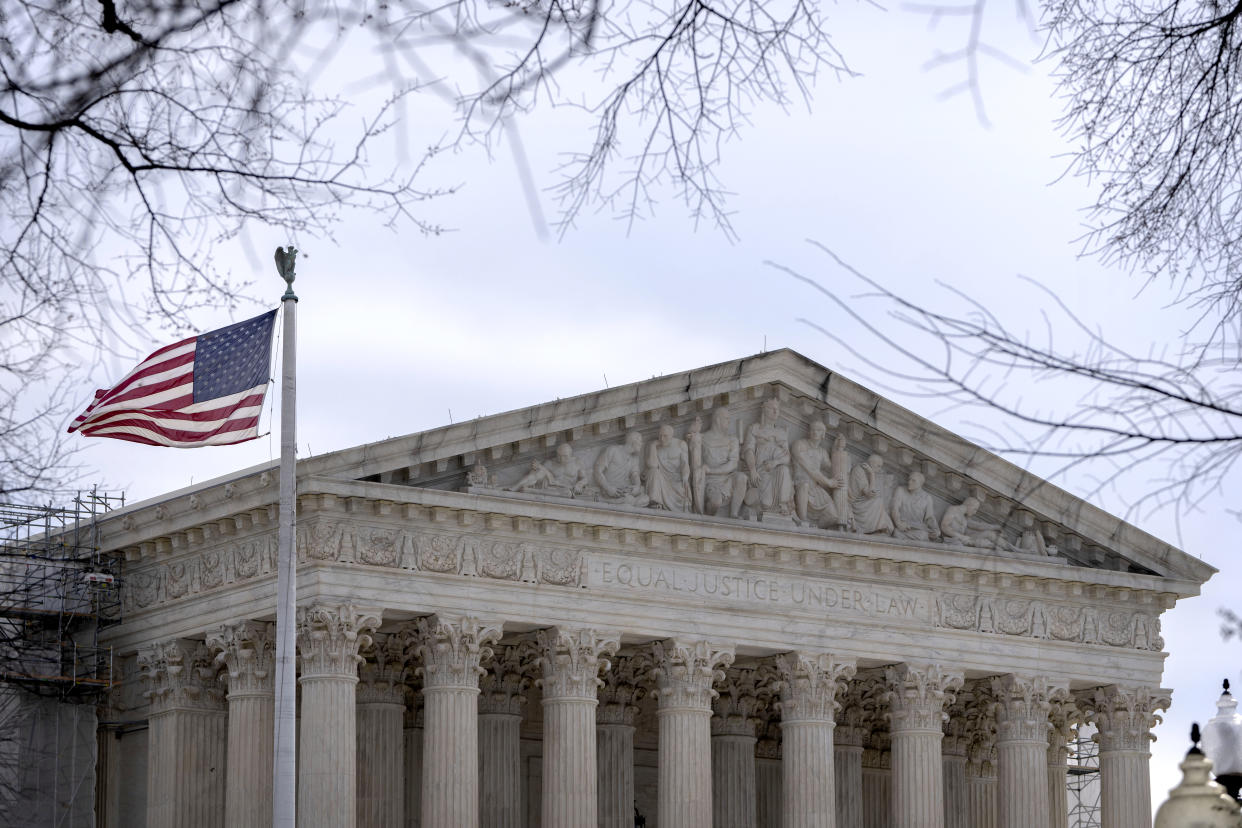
x=668, y=472
x=960, y=527
x=478, y=476
x=694, y=445
x=723, y=484
x=817, y=483
x=564, y=476
x=867, y=499
x=912, y=512
x=1031, y=543
x=618, y=472
x=766, y=452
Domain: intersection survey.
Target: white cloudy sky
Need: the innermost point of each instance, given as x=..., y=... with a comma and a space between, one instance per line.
x=397, y=330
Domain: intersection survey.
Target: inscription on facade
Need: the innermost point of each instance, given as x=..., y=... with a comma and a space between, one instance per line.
x=736, y=586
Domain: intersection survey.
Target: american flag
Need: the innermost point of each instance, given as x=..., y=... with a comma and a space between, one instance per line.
x=203, y=391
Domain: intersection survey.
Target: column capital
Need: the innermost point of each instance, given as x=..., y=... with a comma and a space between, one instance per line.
x=451, y=648
x=330, y=636
x=1023, y=704
x=877, y=750
x=1124, y=716
x=624, y=687
x=247, y=651
x=918, y=695
x=503, y=685
x=1063, y=717
x=571, y=659
x=858, y=710
x=809, y=684
x=382, y=674
x=740, y=702
x=180, y=674
x=685, y=671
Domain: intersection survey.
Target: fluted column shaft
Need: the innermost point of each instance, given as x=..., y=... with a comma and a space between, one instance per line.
x=188, y=736
x=1022, y=726
x=877, y=788
x=412, y=785
x=501, y=699
x=451, y=649
x=809, y=684
x=917, y=699
x=847, y=765
x=684, y=673
x=981, y=801
x=734, y=723
x=248, y=653
x=1058, y=794
x=614, y=733
x=1124, y=717
x=955, y=814
x=769, y=787
x=329, y=638
x=381, y=755
x=500, y=770
x=571, y=660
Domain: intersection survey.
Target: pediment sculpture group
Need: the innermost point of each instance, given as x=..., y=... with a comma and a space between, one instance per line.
x=714, y=472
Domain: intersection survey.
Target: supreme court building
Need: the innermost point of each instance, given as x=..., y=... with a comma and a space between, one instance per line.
x=750, y=595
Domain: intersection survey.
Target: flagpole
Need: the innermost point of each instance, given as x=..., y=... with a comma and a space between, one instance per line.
x=284, y=777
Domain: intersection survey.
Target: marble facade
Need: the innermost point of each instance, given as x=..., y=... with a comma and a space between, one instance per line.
x=747, y=596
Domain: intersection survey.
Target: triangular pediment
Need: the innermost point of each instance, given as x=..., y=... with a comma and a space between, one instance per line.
x=574, y=451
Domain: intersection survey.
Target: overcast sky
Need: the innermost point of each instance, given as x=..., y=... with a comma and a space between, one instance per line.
x=399, y=332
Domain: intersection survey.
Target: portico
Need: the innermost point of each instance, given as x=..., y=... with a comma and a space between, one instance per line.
x=497, y=631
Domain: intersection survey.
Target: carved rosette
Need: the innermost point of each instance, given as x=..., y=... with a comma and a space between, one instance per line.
x=330, y=636
x=918, y=695
x=451, y=649
x=685, y=672
x=383, y=672
x=572, y=659
x=503, y=686
x=740, y=702
x=247, y=651
x=180, y=674
x=1063, y=717
x=1022, y=708
x=809, y=684
x=1124, y=716
x=624, y=687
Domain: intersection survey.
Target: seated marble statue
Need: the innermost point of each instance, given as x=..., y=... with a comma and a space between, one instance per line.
x=818, y=484
x=537, y=479
x=959, y=527
x=867, y=506
x=717, y=456
x=766, y=452
x=913, y=516
x=668, y=472
x=618, y=472
x=1030, y=543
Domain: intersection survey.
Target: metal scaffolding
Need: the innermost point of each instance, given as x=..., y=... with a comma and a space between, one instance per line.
x=57, y=591
x=1084, y=779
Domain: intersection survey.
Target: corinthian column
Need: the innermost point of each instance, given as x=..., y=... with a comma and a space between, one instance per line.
x=1062, y=718
x=451, y=649
x=1022, y=707
x=854, y=721
x=187, y=736
x=1124, y=717
x=614, y=734
x=247, y=652
x=809, y=683
x=412, y=737
x=501, y=698
x=980, y=704
x=381, y=752
x=684, y=672
x=768, y=783
x=953, y=754
x=329, y=638
x=734, y=720
x=571, y=661
x=918, y=695
x=877, y=781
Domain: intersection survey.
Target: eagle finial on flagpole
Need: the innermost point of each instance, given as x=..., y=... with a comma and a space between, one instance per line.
x=284, y=265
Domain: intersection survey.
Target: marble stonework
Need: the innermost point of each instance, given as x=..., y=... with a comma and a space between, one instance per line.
x=622, y=597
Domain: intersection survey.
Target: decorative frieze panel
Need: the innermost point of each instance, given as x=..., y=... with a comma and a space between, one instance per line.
x=1078, y=623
